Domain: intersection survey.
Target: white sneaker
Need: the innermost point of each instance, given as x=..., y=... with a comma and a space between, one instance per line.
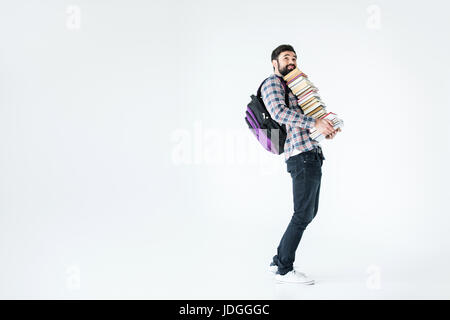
x=273, y=268
x=294, y=277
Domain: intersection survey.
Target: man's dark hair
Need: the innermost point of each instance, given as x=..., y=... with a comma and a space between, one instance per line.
x=280, y=49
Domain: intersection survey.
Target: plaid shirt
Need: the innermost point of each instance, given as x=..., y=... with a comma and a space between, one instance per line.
x=297, y=124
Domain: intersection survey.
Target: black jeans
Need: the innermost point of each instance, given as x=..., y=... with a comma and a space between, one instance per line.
x=306, y=172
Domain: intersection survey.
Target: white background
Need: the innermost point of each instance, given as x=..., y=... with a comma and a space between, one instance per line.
x=127, y=170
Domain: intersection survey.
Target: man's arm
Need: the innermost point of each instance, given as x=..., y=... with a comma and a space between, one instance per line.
x=272, y=93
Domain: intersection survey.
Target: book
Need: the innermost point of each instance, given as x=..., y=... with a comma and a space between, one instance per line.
x=337, y=123
x=308, y=97
x=310, y=102
x=313, y=112
x=296, y=82
x=319, y=114
x=311, y=106
x=300, y=87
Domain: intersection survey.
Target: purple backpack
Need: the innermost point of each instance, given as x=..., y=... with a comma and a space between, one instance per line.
x=270, y=134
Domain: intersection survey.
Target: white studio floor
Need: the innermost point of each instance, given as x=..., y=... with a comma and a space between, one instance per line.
x=220, y=267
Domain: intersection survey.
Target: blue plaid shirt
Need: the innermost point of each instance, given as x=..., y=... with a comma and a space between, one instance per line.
x=297, y=124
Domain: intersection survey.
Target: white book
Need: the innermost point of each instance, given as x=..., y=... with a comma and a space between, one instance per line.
x=296, y=82
x=305, y=89
x=300, y=84
x=318, y=136
x=308, y=96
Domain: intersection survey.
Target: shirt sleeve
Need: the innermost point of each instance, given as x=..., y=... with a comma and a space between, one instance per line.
x=273, y=96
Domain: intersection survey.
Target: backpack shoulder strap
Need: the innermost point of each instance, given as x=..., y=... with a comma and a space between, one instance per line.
x=286, y=91
x=258, y=92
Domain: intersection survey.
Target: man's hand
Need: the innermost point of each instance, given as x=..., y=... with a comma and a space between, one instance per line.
x=324, y=126
x=333, y=134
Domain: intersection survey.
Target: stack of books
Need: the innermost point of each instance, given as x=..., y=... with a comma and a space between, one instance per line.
x=309, y=101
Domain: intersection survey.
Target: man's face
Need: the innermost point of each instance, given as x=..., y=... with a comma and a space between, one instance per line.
x=286, y=62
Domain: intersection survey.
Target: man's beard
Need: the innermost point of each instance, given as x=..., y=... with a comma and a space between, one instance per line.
x=284, y=71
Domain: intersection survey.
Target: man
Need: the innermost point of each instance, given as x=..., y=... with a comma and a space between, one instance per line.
x=303, y=157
